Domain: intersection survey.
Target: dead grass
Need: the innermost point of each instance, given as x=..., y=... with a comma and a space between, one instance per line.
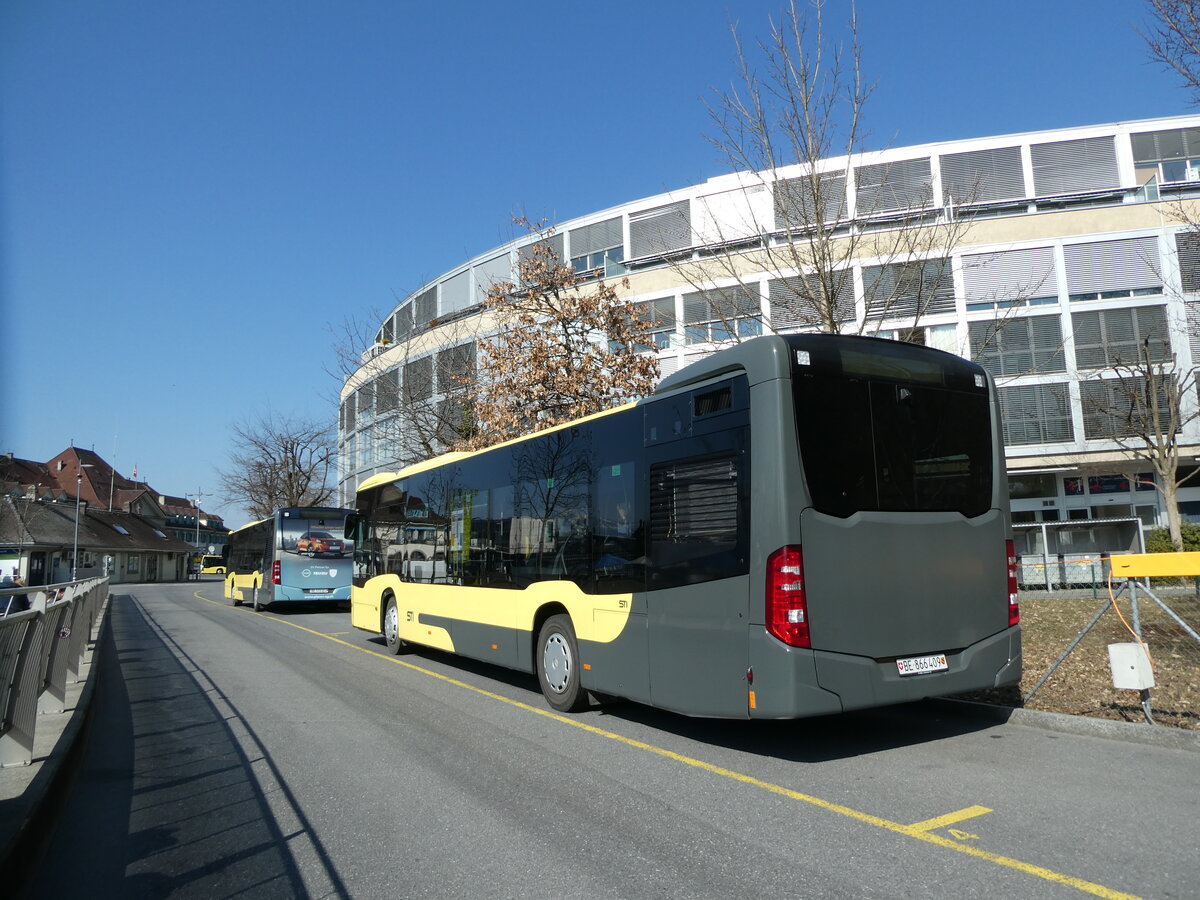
x=1082, y=684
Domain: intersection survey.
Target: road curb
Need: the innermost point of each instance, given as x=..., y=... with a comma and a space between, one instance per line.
x=1130, y=732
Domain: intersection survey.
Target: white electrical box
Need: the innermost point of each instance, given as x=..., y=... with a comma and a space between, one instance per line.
x=1130, y=665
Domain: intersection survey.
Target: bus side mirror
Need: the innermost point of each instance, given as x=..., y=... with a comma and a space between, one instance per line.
x=352, y=524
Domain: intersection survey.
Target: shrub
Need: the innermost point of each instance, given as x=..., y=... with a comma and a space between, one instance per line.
x=1159, y=540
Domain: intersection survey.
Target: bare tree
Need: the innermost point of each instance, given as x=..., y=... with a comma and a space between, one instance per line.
x=564, y=347
x=1174, y=39
x=792, y=126
x=279, y=461
x=1144, y=409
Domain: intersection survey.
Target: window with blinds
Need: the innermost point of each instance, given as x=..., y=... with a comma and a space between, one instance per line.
x=1174, y=154
x=1107, y=270
x=722, y=314
x=909, y=290
x=455, y=367
x=1111, y=337
x=659, y=318
x=982, y=176
x=490, y=273
x=424, y=306
x=906, y=184
x=366, y=398
x=1036, y=414
x=1187, y=248
x=800, y=301
x=802, y=202
x=653, y=232
x=456, y=294
x=1018, y=346
x=404, y=320
x=554, y=244
x=387, y=391
x=1073, y=167
x=1010, y=278
x=418, y=380
x=1114, y=408
x=591, y=245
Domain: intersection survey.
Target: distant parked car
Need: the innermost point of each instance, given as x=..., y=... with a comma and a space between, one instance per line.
x=320, y=543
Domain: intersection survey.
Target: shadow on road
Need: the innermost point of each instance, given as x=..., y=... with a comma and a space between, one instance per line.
x=171, y=795
x=808, y=740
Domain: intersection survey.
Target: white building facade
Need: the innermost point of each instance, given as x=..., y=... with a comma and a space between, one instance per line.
x=1072, y=250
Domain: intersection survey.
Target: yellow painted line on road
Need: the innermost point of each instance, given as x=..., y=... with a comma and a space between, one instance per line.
x=949, y=819
x=917, y=831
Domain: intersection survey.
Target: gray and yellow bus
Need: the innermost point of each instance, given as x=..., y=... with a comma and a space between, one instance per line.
x=295, y=554
x=793, y=526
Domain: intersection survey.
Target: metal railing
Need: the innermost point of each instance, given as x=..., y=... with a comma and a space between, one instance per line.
x=41, y=651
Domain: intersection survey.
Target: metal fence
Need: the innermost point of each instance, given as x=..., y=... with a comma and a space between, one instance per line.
x=1067, y=632
x=41, y=651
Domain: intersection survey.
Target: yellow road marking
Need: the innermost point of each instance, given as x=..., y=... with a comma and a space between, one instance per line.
x=912, y=831
x=949, y=819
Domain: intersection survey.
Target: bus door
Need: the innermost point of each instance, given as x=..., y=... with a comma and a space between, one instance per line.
x=697, y=581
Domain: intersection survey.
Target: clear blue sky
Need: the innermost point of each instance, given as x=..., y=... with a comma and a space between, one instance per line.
x=191, y=193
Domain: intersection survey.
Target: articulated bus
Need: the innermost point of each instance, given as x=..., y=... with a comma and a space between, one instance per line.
x=295, y=554
x=790, y=527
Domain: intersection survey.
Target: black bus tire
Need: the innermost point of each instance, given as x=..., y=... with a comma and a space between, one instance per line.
x=258, y=607
x=391, y=626
x=558, y=665
x=235, y=596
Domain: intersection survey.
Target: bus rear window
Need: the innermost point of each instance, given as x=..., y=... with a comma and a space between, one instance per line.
x=893, y=446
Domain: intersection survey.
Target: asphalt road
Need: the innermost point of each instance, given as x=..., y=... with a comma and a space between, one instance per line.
x=285, y=754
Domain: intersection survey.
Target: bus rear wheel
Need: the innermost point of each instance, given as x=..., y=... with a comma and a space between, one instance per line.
x=558, y=665
x=391, y=626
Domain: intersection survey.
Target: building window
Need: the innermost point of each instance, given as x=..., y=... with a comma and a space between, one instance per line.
x=418, y=380
x=906, y=184
x=1120, y=336
x=798, y=302
x=1018, y=346
x=387, y=391
x=1032, y=486
x=659, y=316
x=722, y=314
x=1071, y=167
x=1036, y=414
x=802, y=202
x=1111, y=408
x=1109, y=270
x=1010, y=279
x=455, y=368
x=591, y=245
x=1173, y=155
x=909, y=290
x=982, y=176
x=660, y=230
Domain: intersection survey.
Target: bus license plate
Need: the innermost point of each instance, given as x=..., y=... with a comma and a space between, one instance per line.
x=919, y=665
x=318, y=590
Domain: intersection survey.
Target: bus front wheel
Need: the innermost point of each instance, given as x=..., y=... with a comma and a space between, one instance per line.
x=558, y=665
x=391, y=626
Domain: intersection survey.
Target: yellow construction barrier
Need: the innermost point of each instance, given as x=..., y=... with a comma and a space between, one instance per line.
x=1151, y=565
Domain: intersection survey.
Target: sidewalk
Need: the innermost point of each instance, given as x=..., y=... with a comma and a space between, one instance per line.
x=31, y=795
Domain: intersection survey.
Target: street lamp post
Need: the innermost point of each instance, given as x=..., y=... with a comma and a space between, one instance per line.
x=199, y=553
x=75, y=545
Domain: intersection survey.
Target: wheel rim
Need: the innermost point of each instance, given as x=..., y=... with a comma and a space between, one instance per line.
x=391, y=624
x=556, y=663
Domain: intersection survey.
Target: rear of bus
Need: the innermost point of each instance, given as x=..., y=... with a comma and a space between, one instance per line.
x=890, y=571
x=313, y=559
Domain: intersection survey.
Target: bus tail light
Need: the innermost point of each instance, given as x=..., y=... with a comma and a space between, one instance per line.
x=787, y=605
x=276, y=577
x=1014, y=608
